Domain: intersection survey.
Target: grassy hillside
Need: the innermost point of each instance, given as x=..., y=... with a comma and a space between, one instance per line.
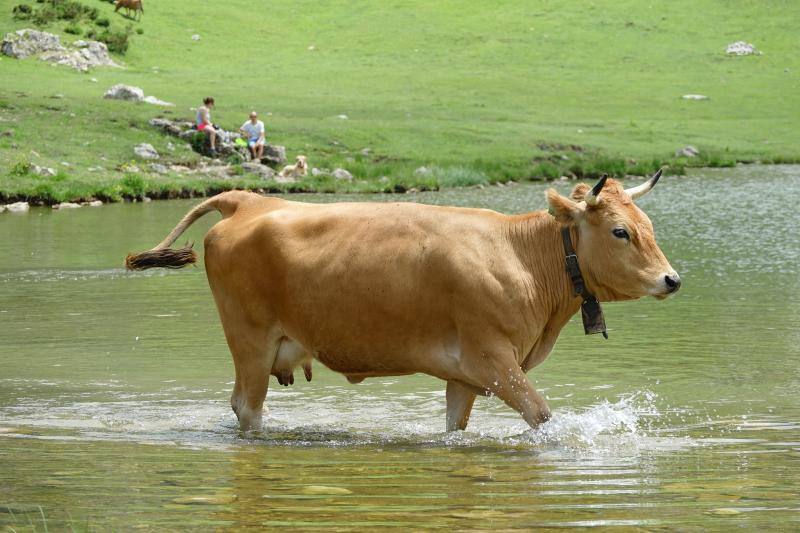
x=480, y=92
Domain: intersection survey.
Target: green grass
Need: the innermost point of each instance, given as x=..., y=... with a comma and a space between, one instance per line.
x=477, y=92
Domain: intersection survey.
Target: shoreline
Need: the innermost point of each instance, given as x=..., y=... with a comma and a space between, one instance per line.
x=171, y=189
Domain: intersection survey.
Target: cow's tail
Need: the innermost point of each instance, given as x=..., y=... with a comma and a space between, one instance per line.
x=165, y=257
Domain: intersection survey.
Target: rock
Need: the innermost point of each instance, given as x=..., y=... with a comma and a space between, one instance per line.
x=263, y=171
x=274, y=154
x=285, y=179
x=312, y=48
x=93, y=80
x=125, y=92
x=88, y=54
x=66, y=205
x=43, y=171
x=94, y=203
x=27, y=42
x=320, y=172
x=7, y=133
x=18, y=207
x=342, y=174
x=741, y=48
x=155, y=101
x=166, y=125
x=342, y=117
x=217, y=499
x=158, y=168
x=687, y=151
x=323, y=490
x=195, y=37
x=422, y=171
x=145, y=151
x=366, y=151
x=694, y=97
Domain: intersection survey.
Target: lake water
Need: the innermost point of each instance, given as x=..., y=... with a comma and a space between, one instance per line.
x=114, y=391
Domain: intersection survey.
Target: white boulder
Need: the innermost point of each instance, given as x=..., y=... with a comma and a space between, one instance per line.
x=263, y=171
x=694, y=97
x=741, y=48
x=18, y=207
x=125, y=92
x=45, y=172
x=66, y=205
x=145, y=151
x=687, y=151
x=155, y=101
x=342, y=174
x=24, y=43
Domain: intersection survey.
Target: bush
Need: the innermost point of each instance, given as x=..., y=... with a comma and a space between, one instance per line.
x=73, y=29
x=103, y=22
x=22, y=12
x=44, y=16
x=21, y=168
x=116, y=40
x=133, y=185
x=139, y=31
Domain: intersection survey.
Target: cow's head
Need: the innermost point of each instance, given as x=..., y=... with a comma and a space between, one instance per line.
x=616, y=246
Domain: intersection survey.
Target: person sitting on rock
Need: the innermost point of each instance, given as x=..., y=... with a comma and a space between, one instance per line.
x=204, y=123
x=254, y=130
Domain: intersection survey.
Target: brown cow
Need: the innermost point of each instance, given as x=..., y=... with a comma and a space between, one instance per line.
x=471, y=296
x=135, y=5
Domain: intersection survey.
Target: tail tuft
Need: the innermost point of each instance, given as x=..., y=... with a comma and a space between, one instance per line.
x=164, y=258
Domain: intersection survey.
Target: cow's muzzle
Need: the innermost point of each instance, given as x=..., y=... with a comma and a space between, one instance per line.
x=673, y=282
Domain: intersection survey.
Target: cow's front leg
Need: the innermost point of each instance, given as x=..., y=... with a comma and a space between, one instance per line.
x=497, y=372
x=459, y=405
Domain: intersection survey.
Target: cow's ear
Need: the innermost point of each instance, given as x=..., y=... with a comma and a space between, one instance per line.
x=564, y=209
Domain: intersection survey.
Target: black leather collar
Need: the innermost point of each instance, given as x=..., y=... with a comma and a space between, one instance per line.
x=592, y=313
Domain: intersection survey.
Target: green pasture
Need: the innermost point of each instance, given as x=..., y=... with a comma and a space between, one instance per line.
x=475, y=91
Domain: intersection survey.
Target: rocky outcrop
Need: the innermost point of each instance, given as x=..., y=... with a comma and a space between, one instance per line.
x=263, y=171
x=145, y=151
x=687, y=151
x=125, y=92
x=25, y=43
x=133, y=94
x=47, y=46
x=18, y=207
x=741, y=48
x=342, y=174
x=274, y=155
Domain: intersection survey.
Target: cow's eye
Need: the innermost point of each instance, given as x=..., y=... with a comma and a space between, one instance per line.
x=620, y=233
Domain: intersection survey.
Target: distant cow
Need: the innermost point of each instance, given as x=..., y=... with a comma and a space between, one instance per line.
x=471, y=296
x=135, y=5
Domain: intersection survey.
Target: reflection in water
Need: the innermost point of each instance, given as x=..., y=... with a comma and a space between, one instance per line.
x=114, y=392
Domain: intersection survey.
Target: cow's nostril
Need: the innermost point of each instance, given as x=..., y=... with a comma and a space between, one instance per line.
x=673, y=281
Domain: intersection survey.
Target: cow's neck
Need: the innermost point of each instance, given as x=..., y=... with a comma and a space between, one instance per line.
x=538, y=243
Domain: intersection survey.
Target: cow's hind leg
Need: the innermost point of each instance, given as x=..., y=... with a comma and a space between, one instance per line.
x=459, y=405
x=253, y=350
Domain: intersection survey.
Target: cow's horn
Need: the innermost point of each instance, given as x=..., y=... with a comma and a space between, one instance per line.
x=644, y=188
x=594, y=195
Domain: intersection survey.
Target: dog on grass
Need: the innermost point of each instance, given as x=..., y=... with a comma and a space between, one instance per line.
x=299, y=169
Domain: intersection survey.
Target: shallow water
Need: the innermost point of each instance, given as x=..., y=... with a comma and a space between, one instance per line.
x=114, y=391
